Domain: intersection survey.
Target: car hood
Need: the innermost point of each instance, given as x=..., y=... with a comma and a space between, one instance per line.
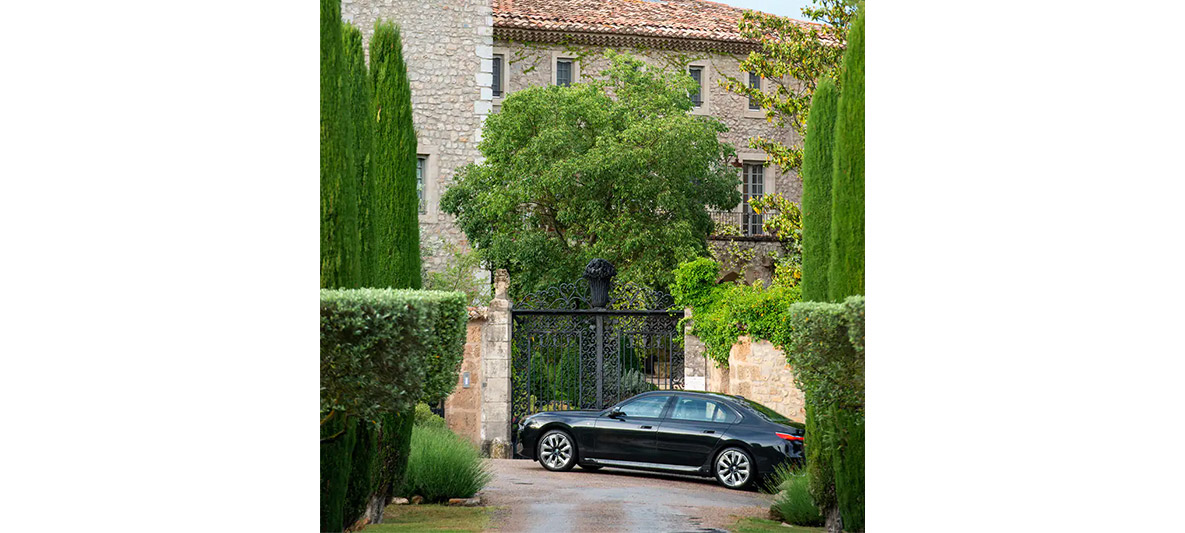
x=584, y=413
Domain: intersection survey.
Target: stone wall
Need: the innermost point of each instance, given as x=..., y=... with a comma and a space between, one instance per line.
x=448, y=50
x=530, y=64
x=462, y=408
x=758, y=371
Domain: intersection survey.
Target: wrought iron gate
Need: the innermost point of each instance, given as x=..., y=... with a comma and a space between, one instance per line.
x=590, y=344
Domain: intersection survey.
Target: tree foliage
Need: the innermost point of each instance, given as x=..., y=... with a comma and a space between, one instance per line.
x=816, y=192
x=795, y=56
x=358, y=111
x=340, y=252
x=392, y=228
x=846, y=273
x=614, y=168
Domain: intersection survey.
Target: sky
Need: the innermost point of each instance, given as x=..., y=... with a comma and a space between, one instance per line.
x=785, y=8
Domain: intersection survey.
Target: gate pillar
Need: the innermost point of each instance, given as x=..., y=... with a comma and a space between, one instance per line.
x=495, y=361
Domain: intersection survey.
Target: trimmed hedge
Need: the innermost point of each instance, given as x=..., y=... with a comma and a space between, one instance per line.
x=846, y=274
x=357, y=112
x=824, y=343
x=382, y=350
x=816, y=192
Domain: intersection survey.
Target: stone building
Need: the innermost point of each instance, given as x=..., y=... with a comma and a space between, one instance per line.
x=465, y=56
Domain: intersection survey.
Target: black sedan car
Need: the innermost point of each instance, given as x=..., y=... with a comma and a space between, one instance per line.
x=696, y=433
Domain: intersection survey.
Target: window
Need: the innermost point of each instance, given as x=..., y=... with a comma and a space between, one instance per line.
x=754, y=83
x=563, y=72
x=697, y=74
x=700, y=410
x=754, y=187
x=498, y=75
x=650, y=406
x=421, y=162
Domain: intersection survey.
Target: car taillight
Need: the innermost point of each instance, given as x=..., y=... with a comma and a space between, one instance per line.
x=788, y=437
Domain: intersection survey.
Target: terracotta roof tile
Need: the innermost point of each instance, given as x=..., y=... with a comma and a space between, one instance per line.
x=684, y=19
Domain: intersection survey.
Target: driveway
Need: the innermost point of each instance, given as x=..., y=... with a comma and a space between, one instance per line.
x=536, y=500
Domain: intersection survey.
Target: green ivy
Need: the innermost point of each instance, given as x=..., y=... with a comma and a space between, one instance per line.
x=722, y=313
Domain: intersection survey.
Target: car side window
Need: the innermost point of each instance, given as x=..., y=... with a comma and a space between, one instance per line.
x=700, y=410
x=650, y=406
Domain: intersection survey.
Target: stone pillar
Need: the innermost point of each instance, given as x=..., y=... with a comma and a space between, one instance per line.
x=495, y=362
x=695, y=366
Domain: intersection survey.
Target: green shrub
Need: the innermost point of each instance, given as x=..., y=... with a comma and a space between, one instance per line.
x=426, y=418
x=847, y=458
x=819, y=473
x=443, y=466
x=816, y=340
x=382, y=350
x=362, y=470
x=392, y=229
x=335, y=471
x=816, y=192
x=846, y=273
x=721, y=313
x=390, y=459
x=793, y=503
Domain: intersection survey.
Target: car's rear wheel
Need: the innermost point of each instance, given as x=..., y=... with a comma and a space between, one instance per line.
x=734, y=468
x=557, y=451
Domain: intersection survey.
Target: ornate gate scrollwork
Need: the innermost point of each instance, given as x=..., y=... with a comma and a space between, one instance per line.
x=592, y=343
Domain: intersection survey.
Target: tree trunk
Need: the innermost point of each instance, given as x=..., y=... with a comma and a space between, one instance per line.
x=374, y=509
x=833, y=522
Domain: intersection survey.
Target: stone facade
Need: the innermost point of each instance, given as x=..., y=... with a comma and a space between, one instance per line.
x=757, y=371
x=530, y=64
x=462, y=408
x=448, y=50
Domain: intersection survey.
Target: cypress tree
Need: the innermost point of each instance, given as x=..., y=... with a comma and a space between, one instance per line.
x=362, y=128
x=392, y=231
x=816, y=191
x=340, y=252
x=846, y=274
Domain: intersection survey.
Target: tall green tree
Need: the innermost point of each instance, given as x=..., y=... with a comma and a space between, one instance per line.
x=573, y=173
x=361, y=129
x=392, y=205
x=340, y=245
x=794, y=57
x=816, y=192
x=846, y=273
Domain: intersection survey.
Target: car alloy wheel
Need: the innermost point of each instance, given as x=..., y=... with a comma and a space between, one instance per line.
x=557, y=452
x=734, y=468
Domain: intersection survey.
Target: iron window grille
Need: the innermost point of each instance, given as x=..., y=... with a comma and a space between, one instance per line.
x=697, y=74
x=754, y=83
x=497, y=75
x=420, y=182
x=563, y=72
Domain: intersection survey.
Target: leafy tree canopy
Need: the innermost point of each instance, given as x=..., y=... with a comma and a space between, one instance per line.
x=614, y=168
x=794, y=57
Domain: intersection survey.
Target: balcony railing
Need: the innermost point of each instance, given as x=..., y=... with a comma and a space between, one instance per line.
x=734, y=224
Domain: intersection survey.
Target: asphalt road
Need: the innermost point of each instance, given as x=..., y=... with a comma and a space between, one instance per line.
x=536, y=500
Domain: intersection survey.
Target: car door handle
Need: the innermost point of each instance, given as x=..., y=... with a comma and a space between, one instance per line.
x=709, y=431
x=646, y=427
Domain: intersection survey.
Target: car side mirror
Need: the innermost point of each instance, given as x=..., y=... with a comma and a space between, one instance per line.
x=616, y=413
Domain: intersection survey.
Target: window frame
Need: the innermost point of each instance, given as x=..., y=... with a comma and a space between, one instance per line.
x=505, y=53
x=556, y=57
x=748, y=216
x=431, y=154
x=736, y=417
x=662, y=414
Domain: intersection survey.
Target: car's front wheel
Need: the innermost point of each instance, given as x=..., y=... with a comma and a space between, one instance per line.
x=557, y=451
x=734, y=468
